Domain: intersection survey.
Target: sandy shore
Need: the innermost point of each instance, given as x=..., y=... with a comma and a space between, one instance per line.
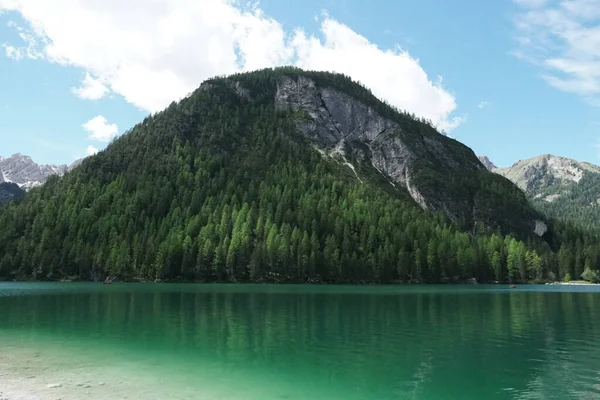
x=574, y=283
x=29, y=375
x=80, y=384
x=53, y=371
x=48, y=374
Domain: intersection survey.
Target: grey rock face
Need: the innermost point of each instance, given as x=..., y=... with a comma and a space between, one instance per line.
x=333, y=116
x=540, y=228
x=335, y=121
x=487, y=163
x=23, y=171
x=241, y=91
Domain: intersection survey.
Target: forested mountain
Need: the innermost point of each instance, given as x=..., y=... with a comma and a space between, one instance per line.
x=285, y=175
x=559, y=187
x=10, y=191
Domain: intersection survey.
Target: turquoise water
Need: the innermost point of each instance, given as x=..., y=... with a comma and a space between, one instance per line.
x=300, y=342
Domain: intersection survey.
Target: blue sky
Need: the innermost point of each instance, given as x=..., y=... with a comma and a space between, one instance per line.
x=511, y=79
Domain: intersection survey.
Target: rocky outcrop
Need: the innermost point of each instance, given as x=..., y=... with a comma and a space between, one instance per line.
x=333, y=116
x=339, y=124
x=540, y=228
x=490, y=166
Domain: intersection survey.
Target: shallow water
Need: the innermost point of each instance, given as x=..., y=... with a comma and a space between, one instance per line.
x=145, y=341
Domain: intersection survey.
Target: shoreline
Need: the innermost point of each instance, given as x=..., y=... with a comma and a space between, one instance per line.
x=178, y=282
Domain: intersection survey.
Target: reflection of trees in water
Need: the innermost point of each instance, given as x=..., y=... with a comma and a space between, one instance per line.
x=412, y=342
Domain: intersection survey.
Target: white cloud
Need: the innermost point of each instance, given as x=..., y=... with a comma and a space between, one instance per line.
x=391, y=74
x=91, y=150
x=99, y=129
x=30, y=47
x=483, y=104
x=449, y=125
x=170, y=47
x=562, y=38
x=91, y=89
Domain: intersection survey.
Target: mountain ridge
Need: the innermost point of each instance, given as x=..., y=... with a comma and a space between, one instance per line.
x=22, y=170
x=528, y=174
x=560, y=187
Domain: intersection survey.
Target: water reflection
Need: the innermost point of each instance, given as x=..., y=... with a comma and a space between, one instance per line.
x=423, y=345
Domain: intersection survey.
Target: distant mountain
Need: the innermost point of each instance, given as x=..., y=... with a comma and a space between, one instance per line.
x=23, y=171
x=10, y=191
x=538, y=174
x=75, y=163
x=487, y=163
x=560, y=187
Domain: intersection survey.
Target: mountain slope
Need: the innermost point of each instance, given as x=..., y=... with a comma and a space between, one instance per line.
x=439, y=173
x=279, y=175
x=23, y=171
x=560, y=187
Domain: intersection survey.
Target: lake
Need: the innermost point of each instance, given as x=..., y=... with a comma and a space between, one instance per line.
x=163, y=341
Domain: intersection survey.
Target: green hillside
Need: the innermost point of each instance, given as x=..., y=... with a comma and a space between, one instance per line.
x=578, y=203
x=228, y=185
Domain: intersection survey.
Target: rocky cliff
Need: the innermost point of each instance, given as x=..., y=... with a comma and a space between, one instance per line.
x=410, y=154
x=490, y=166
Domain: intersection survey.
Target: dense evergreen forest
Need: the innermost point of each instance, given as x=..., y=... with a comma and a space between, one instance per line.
x=219, y=187
x=10, y=191
x=578, y=202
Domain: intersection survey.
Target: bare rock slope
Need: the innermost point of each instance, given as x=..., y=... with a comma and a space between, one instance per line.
x=438, y=172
